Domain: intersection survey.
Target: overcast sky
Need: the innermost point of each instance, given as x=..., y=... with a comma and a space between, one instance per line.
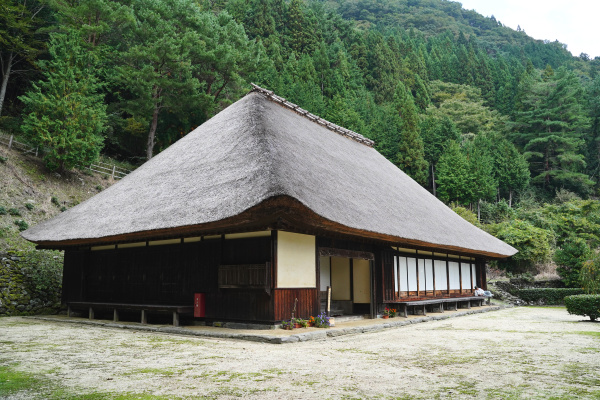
x=573, y=22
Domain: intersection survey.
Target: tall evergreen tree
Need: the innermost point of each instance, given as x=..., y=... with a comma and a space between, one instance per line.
x=436, y=134
x=411, y=156
x=551, y=125
x=65, y=112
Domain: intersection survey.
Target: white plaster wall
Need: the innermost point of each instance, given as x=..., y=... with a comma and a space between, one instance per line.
x=296, y=260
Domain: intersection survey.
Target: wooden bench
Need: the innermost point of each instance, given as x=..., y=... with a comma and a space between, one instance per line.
x=144, y=308
x=478, y=300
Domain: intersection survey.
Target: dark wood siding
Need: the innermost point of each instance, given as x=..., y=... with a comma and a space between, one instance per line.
x=170, y=275
x=284, y=303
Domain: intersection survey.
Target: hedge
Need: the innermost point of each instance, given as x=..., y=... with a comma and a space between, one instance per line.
x=584, y=304
x=550, y=296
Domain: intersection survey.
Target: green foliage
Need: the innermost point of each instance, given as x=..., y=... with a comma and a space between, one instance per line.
x=44, y=269
x=454, y=176
x=21, y=224
x=548, y=296
x=589, y=275
x=551, y=121
x=586, y=305
x=467, y=215
x=533, y=244
x=55, y=201
x=29, y=206
x=65, y=113
x=411, y=157
x=14, y=211
x=2, y=210
x=569, y=258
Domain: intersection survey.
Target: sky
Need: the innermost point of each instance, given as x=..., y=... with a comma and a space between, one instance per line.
x=572, y=22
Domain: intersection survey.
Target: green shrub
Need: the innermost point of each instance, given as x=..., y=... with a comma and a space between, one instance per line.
x=569, y=258
x=29, y=206
x=63, y=209
x=44, y=269
x=3, y=159
x=590, y=275
x=21, y=224
x=2, y=210
x=15, y=212
x=550, y=296
x=55, y=201
x=584, y=305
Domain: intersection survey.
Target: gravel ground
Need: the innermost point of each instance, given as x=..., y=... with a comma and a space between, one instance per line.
x=513, y=353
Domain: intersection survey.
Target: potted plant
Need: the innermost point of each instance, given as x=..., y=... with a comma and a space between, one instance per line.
x=287, y=325
x=322, y=321
x=392, y=312
x=300, y=323
x=386, y=313
x=311, y=321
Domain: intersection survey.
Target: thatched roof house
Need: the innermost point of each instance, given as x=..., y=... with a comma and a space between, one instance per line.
x=265, y=165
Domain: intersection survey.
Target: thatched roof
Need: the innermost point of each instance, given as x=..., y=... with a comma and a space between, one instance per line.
x=237, y=167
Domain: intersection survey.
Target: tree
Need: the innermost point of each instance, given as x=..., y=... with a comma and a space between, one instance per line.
x=65, y=112
x=570, y=258
x=511, y=169
x=550, y=128
x=436, y=133
x=18, y=43
x=453, y=176
x=533, y=244
x=411, y=156
x=180, y=59
x=590, y=275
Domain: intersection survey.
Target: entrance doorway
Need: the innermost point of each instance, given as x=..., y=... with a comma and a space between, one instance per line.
x=350, y=282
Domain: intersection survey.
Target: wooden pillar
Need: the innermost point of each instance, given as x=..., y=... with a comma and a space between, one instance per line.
x=10, y=142
x=91, y=313
x=116, y=315
x=175, y=318
x=144, y=317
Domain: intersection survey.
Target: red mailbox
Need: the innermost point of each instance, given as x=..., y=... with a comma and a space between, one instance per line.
x=199, y=305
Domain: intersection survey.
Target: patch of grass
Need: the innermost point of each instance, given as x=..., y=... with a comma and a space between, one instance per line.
x=12, y=381
x=587, y=333
x=14, y=212
x=2, y=210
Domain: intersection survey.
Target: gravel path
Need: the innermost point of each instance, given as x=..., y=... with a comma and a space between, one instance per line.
x=512, y=353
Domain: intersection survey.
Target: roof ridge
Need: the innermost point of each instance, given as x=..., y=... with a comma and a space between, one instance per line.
x=357, y=137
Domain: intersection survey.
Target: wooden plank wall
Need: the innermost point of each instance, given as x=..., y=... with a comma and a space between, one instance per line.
x=284, y=303
x=170, y=275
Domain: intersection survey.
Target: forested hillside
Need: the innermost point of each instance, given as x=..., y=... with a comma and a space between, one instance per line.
x=485, y=117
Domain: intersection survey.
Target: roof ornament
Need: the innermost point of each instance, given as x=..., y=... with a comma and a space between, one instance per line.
x=315, y=118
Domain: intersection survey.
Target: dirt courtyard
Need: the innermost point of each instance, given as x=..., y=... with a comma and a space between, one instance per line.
x=514, y=353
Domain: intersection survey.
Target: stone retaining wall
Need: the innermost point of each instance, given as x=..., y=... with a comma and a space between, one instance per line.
x=18, y=292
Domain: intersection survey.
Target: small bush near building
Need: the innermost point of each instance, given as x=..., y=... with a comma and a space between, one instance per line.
x=21, y=224
x=586, y=305
x=548, y=296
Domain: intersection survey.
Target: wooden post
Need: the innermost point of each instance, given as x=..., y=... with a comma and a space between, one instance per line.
x=116, y=315
x=113, y=171
x=91, y=313
x=10, y=142
x=144, y=317
x=68, y=311
x=175, y=318
x=36, y=151
x=329, y=301
x=405, y=311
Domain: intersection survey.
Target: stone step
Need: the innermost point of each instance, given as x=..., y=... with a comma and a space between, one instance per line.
x=347, y=318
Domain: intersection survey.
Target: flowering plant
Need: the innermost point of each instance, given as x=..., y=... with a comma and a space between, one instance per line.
x=287, y=324
x=311, y=321
x=322, y=321
x=390, y=312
